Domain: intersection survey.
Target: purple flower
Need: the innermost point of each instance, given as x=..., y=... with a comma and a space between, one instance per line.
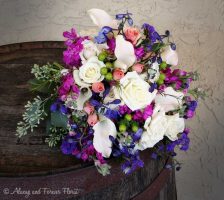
x=74, y=47
x=68, y=145
x=111, y=44
x=124, y=110
x=148, y=111
x=151, y=33
x=139, y=52
x=138, y=116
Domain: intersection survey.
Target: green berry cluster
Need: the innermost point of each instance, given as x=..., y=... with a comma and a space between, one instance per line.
x=127, y=123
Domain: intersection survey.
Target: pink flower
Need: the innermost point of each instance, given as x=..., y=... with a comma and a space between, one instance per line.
x=132, y=34
x=92, y=119
x=98, y=87
x=89, y=109
x=138, y=68
x=118, y=74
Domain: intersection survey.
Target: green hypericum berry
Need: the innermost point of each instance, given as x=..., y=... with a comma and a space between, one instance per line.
x=109, y=65
x=102, y=56
x=103, y=70
x=128, y=117
x=134, y=128
x=109, y=76
x=162, y=76
x=160, y=81
x=163, y=65
x=122, y=128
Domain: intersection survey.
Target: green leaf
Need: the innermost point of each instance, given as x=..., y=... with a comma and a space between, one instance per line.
x=59, y=120
x=157, y=46
x=39, y=86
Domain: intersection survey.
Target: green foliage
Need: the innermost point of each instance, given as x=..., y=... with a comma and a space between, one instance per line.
x=103, y=169
x=55, y=136
x=59, y=120
x=46, y=78
x=34, y=113
x=198, y=93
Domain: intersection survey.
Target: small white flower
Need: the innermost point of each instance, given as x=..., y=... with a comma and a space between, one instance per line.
x=155, y=129
x=169, y=99
x=89, y=72
x=154, y=72
x=89, y=50
x=169, y=56
x=102, y=130
x=175, y=125
x=135, y=92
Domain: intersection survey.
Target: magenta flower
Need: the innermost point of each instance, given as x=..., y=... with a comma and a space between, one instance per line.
x=111, y=44
x=139, y=52
x=138, y=116
x=148, y=111
x=124, y=110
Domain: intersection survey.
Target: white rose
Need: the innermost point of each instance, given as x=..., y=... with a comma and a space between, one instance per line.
x=89, y=50
x=89, y=72
x=155, y=128
x=154, y=72
x=169, y=99
x=175, y=125
x=169, y=56
x=135, y=92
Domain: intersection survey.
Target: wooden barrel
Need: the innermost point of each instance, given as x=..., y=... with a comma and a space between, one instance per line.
x=30, y=169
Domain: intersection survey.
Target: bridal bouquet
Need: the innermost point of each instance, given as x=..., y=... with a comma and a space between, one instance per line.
x=117, y=94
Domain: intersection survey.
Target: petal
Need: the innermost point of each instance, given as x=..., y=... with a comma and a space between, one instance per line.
x=101, y=18
x=170, y=99
x=169, y=56
x=124, y=51
x=101, y=141
x=77, y=79
x=83, y=97
x=175, y=125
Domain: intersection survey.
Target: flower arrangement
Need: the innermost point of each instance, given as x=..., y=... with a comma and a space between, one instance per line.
x=116, y=95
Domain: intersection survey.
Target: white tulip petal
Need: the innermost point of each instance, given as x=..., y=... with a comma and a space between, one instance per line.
x=83, y=97
x=124, y=51
x=169, y=56
x=101, y=18
x=175, y=125
x=169, y=99
x=102, y=130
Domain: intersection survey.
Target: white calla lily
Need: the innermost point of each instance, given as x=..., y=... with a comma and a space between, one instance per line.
x=102, y=130
x=125, y=53
x=169, y=99
x=169, y=56
x=85, y=94
x=175, y=125
x=101, y=18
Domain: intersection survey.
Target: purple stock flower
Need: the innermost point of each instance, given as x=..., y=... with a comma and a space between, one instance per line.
x=138, y=116
x=68, y=145
x=124, y=110
x=148, y=111
x=139, y=52
x=111, y=44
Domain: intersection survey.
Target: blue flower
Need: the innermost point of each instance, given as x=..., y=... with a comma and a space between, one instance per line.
x=102, y=35
x=68, y=145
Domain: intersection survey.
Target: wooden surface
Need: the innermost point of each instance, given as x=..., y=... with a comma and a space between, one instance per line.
x=30, y=156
